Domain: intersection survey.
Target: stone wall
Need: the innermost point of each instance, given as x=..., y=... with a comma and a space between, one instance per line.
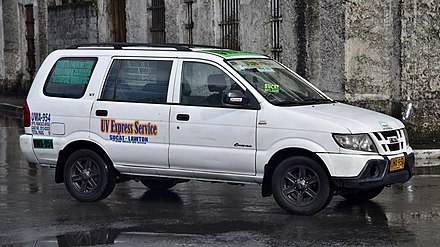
x=420, y=57
x=71, y=24
x=2, y=44
x=137, y=21
x=371, y=55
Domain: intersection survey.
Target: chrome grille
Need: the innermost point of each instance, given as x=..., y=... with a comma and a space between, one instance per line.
x=390, y=141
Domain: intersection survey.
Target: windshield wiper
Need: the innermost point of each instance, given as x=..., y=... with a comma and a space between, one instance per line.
x=318, y=101
x=305, y=102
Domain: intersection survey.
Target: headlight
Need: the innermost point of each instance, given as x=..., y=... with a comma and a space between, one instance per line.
x=359, y=142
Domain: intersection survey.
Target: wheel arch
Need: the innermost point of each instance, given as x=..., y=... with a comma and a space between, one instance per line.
x=64, y=154
x=274, y=161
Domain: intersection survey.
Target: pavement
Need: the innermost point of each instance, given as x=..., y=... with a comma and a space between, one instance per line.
x=427, y=160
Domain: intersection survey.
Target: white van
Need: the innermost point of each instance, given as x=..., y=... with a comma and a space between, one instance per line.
x=165, y=114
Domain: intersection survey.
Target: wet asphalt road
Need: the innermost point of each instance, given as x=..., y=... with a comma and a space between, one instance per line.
x=34, y=211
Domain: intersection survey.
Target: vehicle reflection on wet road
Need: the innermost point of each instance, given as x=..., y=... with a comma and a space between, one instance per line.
x=34, y=211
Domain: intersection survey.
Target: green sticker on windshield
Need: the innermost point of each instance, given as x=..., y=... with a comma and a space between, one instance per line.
x=271, y=88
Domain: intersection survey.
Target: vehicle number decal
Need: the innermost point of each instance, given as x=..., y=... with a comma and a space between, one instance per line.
x=43, y=143
x=40, y=123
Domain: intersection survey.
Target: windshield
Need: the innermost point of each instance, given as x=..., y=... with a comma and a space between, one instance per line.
x=277, y=84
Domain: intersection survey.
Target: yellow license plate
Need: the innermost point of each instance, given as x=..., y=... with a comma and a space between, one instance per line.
x=397, y=163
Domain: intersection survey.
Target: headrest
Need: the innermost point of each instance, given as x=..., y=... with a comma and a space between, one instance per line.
x=216, y=83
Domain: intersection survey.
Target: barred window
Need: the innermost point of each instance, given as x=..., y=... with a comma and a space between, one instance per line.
x=276, y=21
x=229, y=24
x=158, y=22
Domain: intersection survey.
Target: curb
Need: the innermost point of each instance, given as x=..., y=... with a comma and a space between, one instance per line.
x=427, y=157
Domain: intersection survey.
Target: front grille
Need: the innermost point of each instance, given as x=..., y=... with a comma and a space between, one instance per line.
x=391, y=141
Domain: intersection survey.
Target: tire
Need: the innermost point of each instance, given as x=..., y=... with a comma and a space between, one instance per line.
x=363, y=195
x=159, y=183
x=87, y=177
x=301, y=186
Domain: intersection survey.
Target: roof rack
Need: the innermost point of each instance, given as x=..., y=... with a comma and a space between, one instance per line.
x=120, y=46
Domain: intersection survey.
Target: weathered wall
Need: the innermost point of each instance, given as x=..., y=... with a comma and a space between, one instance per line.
x=421, y=68
x=104, y=21
x=137, y=19
x=71, y=24
x=14, y=51
x=2, y=44
x=175, y=18
x=371, y=30
x=255, y=26
x=320, y=44
x=41, y=31
x=206, y=16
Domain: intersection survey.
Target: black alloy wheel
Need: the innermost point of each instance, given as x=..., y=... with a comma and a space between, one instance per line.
x=301, y=186
x=87, y=177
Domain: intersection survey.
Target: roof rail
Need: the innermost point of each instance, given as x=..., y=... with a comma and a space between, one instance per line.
x=120, y=46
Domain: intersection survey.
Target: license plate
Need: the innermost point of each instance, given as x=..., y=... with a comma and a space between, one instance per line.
x=397, y=163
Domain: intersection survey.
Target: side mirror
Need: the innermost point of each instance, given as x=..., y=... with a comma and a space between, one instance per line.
x=234, y=98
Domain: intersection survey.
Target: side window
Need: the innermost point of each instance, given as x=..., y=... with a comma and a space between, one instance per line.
x=138, y=81
x=203, y=84
x=69, y=77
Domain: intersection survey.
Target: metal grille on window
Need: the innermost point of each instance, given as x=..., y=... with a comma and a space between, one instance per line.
x=276, y=20
x=189, y=25
x=229, y=24
x=158, y=22
x=30, y=32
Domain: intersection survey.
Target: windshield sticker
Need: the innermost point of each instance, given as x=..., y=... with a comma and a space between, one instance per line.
x=43, y=143
x=265, y=70
x=128, y=132
x=261, y=65
x=271, y=88
x=40, y=123
x=231, y=53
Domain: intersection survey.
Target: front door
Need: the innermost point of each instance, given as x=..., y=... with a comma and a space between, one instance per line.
x=206, y=135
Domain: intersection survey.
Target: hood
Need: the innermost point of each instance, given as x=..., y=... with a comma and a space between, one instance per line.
x=354, y=119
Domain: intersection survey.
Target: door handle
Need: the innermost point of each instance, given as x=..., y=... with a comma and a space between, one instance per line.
x=182, y=117
x=101, y=113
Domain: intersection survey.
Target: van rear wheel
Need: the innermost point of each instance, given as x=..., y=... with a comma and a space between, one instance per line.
x=301, y=186
x=87, y=177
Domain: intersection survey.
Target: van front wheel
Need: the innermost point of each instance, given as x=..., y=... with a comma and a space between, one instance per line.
x=87, y=177
x=301, y=186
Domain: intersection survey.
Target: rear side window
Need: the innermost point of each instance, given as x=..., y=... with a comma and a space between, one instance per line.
x=143, y=81
x=69, y=77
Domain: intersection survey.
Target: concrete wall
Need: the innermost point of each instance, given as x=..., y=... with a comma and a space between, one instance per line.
x=2, y=44
x=255, y=26
x=420, y=80
x=71, y=24
x=369, y=54
x=14, y=49
x=104, y=21
x=137, y=21
x=206, y=16
x=175, y=18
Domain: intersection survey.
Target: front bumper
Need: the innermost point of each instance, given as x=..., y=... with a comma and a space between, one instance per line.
x=376, y=174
